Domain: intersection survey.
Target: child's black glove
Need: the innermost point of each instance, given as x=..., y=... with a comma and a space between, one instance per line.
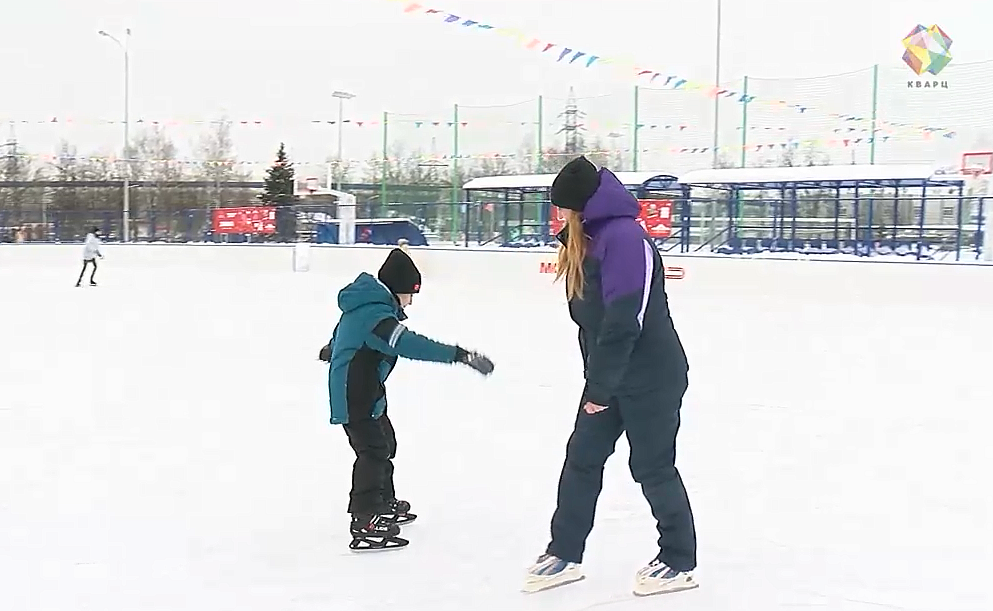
x=475, y=360
x=325, y=354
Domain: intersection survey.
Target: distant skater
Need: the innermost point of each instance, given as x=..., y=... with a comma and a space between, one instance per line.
x=91, y=250
x=636, y=375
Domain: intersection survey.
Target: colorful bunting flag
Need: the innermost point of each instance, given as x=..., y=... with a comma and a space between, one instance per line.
x=840, y=142
x=639, y=72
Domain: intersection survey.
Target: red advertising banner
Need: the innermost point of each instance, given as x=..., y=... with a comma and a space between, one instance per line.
x=655, y=217
x=257, y=219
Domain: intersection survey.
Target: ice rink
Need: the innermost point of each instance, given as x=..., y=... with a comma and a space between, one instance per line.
x=165, y=445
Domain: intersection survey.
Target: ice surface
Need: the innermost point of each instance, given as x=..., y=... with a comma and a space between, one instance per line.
x=164, y=445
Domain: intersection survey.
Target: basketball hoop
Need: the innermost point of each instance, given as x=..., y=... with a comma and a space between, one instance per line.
x=976, y=164
x=979, y=166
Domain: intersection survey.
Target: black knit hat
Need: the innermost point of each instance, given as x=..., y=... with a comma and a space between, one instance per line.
x=399, y=273
x=575, y=184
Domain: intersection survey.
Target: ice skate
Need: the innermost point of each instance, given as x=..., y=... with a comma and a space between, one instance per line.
x=551, y=572
x=399, y=512
x=373, y=533
x=657, y=578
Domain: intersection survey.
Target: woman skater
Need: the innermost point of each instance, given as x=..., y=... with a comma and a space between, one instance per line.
x=636, y=375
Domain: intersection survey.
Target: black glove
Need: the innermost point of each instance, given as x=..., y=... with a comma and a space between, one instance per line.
x=325, y=354
x=475, y=360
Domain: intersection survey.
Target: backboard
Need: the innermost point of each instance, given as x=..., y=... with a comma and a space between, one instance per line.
x=977, y=163
x=307, y=187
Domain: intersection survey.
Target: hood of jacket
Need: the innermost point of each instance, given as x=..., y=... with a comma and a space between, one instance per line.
x=610, y=200
x=367, y=290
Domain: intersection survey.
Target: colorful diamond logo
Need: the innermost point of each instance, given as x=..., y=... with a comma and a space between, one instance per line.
x=927, y=49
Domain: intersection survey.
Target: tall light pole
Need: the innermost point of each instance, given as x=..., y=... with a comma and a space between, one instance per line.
x=717, y=86
x=126, y=215
x=342, y=96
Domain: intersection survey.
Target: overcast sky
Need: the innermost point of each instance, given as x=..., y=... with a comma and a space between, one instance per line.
x=279, y=62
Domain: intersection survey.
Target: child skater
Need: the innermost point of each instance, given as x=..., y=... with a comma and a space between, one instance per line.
x=363, y=350
x=91, y=250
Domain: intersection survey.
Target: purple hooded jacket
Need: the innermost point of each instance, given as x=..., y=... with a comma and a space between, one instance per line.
x=626, y=334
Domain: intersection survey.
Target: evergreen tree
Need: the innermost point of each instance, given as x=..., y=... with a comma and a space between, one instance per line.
x=278, y=192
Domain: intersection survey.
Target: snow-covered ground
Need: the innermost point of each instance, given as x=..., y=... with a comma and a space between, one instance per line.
x=165, y=446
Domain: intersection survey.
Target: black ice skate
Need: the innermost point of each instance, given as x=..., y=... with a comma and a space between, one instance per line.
x=399, y=512
x=374, y=532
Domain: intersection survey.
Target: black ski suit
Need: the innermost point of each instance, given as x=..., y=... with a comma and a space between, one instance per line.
x=634, y=363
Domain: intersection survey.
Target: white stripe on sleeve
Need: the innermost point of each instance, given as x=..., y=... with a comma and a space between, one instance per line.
x=649, y=272
x=395, y=335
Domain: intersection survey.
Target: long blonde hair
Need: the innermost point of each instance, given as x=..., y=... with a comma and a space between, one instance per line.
x=571, y=255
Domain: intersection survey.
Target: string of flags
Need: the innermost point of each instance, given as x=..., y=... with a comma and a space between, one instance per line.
x=417, y=123
x=427, y=124
x=767, y=146
x=571, y=55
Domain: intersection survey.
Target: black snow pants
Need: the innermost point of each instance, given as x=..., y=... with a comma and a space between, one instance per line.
x=87, y=263
x=375, y=445
x=651, y=422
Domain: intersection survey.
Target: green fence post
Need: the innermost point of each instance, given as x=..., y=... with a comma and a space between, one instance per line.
x=386, y=162
x=455, y=173
x=541, y=134
x=875, y=99
x=744, y=121
x=635, y=139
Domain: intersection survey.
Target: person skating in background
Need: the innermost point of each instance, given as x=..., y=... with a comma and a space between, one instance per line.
x=363, y=351
x=91, y=250
x=636, y=375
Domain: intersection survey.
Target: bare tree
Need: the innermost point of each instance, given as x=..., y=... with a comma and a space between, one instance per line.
x=73, y=210
x=16, y=166
x=219, y=164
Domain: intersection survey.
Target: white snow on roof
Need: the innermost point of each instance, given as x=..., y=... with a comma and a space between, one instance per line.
x=543, y=181
x=823, y=173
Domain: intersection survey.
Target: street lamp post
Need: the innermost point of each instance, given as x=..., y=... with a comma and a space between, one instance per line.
x=342, y=96
x=126, y=215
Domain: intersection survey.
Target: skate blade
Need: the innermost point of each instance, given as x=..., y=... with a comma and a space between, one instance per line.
x=381, y=545
x=541, y=585
x=371, y=550
x=648, y=589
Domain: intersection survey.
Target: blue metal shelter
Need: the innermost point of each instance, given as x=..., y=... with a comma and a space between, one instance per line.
x=866, y=236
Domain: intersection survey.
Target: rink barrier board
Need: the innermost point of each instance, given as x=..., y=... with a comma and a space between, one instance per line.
x=521, y=271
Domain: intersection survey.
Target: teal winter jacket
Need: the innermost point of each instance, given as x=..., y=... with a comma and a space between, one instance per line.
x=365, y=346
